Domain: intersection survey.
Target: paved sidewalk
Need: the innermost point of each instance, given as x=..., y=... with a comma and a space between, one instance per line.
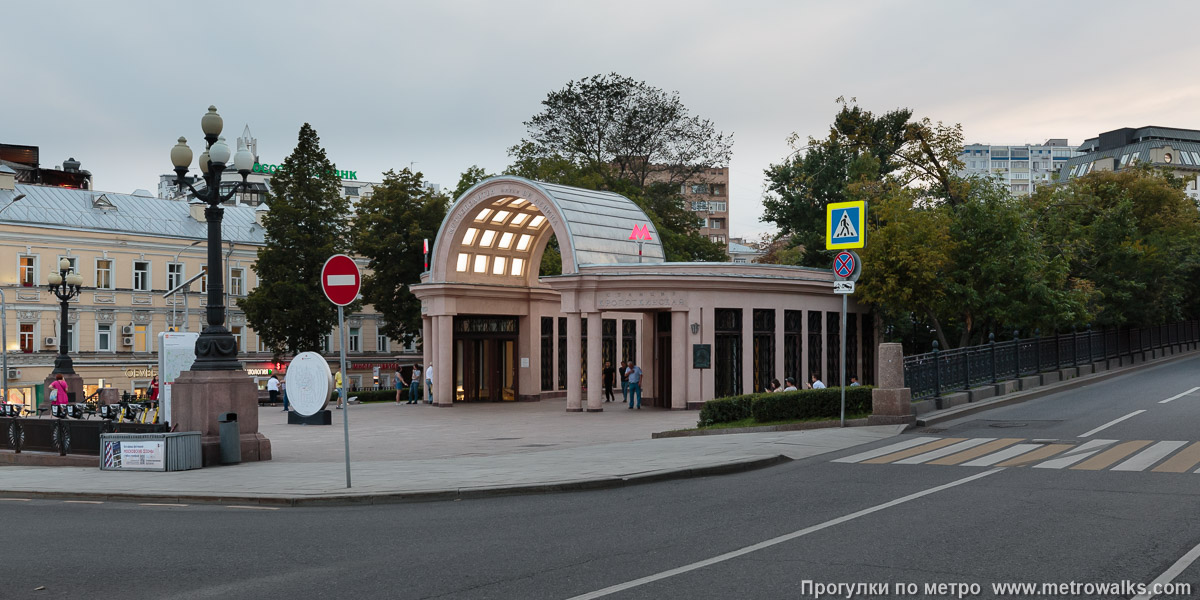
x=407, y=452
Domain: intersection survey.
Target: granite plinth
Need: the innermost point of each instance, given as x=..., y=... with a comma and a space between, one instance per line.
x=199, y=397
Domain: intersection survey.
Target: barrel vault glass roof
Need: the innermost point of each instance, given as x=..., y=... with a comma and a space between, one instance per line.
x=90, y=210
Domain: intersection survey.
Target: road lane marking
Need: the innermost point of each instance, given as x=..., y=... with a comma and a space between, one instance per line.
x=1171, y=573
x=946, y=451
x=1184, y=460
x=1006, y=453
x=776, y=540
x=1111, y=423
x=912, y=451
x=82, y=502
x=1149, y=456
x=14, y=499
x=1076, y=455
x=253, y=507
x=909, y=443
x=1110, y=456
x=1178, y=396
x=975, y=452
x=161, y=504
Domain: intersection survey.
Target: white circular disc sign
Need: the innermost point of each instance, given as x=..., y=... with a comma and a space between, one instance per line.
x=309, y=383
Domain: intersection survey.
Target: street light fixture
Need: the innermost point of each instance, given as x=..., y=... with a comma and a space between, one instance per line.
x=216, y=349
x=65, y=285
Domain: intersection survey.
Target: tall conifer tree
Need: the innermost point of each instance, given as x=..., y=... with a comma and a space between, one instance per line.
x=308, y=222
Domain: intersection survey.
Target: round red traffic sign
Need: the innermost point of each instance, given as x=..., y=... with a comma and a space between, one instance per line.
x=843, y=264
x=340, y=279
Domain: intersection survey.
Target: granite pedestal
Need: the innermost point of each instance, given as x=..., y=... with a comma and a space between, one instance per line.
x=199, y=397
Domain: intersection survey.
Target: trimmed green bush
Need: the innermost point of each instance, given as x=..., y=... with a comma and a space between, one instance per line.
x=726, y=410
x=809, y=404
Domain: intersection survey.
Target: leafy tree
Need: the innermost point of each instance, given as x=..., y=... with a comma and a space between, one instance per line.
x=390, y=230
x=307, y=223
x=1135, y=236
x=624, y=129
x=860, y=146
x=473, y=175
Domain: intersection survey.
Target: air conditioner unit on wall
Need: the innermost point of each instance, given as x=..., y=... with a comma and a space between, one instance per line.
x=127, y=340
x=50, y=342
x=14, y=373
x=127, y=330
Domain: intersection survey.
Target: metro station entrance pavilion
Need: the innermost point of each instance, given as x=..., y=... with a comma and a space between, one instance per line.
x=494, y=330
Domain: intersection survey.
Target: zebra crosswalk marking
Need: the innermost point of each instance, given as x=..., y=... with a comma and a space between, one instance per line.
x=1149, y=456
x=940, y=452
x=1110, y=456
x=913, y=451
x=975, y=452
x=1073, y=456
x=909, y=443
x=1184, y=460
x=1041, y=452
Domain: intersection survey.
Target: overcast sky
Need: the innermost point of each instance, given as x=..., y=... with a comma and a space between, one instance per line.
x=447, y=84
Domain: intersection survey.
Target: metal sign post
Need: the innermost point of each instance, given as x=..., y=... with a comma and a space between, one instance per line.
x=846, y=268
x=340, y=280
x=345, y=376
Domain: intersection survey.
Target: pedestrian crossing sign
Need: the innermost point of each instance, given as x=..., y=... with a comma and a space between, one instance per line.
x=845, y=225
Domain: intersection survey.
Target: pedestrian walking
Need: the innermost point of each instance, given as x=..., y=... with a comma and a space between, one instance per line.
x=153, y=389
x=400, y=384
x=58, y=390
x=854, y=381
x=624, y=381
x=283, y=392
x=635, y=384
x=429, y=381
x=414, y=383
x=273, y=389
x=610, y=378
x=337, y=385
x=790, y=384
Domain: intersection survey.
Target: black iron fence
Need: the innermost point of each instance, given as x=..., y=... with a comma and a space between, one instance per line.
x=935, y=373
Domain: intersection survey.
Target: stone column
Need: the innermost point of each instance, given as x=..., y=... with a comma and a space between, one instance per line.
x=595, y=362
x=680, y=358
x=891, y=402
x=574, y=371
x=747, y=351
x=443, y=365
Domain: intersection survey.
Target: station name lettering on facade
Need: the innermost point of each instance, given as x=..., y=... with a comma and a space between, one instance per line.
x=659, y=299
x=141, y=372
x=273, y=169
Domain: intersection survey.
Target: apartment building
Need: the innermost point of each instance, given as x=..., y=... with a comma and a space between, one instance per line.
x=1020, y=168
x=130, y=251
x=1177, y=150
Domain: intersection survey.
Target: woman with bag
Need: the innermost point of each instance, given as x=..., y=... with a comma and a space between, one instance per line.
x=58, y=390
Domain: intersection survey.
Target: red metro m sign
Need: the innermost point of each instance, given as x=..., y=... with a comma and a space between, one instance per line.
x=640, y=233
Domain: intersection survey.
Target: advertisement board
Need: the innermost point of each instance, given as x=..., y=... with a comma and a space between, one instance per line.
x=143, y=455
x=176, y=353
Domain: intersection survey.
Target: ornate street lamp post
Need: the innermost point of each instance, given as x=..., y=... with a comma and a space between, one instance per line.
x=65, y=285
x=216, y=349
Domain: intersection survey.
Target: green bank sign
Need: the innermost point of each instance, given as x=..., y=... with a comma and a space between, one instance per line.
x=273, y=169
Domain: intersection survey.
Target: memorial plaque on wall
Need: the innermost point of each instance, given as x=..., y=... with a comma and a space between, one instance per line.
x=701, y=356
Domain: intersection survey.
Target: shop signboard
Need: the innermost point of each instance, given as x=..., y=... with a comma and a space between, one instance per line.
x=176, y=353
x=139, y=455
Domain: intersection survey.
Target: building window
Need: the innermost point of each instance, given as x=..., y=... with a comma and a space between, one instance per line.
x=727, y=352
x=764, y=348
x=381, y=342
x=355, y=335
x=833, y=345
x=28, y=270
x=547, y=352
x=628, y=339
x=793, y=322
x=204, y=279
x=67, y=345
x=104, y=268
x=27, y=337
x=237, y=337
x=174, y=275
x=814, y=345
x=350, y=191
x=141, y=338
x=237, y=281
x=562, y=353
x=327, y=343
x=716, y=223
x=141, y=275
x=104, y=337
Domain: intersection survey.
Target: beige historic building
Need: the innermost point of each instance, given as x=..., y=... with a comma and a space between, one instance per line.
x=497, y=331
x=131, y=251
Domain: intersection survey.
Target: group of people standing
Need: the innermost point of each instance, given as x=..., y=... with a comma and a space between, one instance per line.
x=631, y=382
x=412, y=384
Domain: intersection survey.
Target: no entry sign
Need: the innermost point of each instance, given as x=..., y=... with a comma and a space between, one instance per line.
x=340, y=279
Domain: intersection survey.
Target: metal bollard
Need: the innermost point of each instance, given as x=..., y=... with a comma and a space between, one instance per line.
x=231, y=445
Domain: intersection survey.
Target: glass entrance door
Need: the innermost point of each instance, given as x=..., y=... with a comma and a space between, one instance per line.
x=485, y=370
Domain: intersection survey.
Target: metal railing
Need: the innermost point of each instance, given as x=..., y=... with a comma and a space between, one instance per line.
x=934, y=373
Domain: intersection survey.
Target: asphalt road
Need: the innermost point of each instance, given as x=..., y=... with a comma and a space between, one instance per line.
x=754, y=535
